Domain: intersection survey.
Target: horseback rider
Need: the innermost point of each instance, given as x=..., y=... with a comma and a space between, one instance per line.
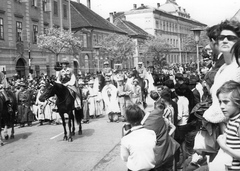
x=68, y=79
x=4, y=85
x=106, y=71
x=142, y=70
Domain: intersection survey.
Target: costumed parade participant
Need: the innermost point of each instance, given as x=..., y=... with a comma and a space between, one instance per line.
x=109, y=94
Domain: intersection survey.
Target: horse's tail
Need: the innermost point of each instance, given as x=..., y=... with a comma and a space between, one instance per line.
x=78, y=115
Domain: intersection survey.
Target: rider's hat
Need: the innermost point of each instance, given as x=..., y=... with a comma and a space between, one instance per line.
x=64, y=61
x=135, y=80
x=140, y=63
x=106, y=63
x=90, y=82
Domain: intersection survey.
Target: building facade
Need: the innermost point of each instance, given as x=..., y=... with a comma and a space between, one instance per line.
x=169, y=21
x=20, y=23
x=91, y=28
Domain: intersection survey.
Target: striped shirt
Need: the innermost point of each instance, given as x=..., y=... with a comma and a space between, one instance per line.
x=233, y=139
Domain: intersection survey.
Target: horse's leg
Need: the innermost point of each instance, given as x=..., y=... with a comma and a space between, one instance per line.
x=70, y=118
x=64, y=126
x=5, y=133
x=1, y=138
x=73, y=125
x=12, y=124
x=80, y=128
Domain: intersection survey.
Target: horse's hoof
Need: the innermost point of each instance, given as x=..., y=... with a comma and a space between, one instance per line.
x=79, y=132
x=12, y=137
x=70, y=139
x=65, y=138
x=6, y=137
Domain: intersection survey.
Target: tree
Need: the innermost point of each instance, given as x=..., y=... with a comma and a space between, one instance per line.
x=59, y=41
x=189, y=43
x=117, y=47
x=158, y=48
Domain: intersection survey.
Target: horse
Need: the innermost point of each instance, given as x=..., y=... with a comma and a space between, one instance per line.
x=7, y=118
x=65, y=104
x=143, y=84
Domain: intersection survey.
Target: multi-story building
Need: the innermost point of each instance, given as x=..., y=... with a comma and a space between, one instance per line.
x=169, y=21
x=91, y=28
x=20, y=23
x=137, y=34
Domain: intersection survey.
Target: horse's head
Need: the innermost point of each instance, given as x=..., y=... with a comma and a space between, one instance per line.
x=48, y=91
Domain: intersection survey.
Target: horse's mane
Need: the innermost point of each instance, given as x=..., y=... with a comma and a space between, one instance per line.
x=236, y=51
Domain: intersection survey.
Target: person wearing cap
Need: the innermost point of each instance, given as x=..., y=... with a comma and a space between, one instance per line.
x=91, y=99
x=141, y=70
x=23, y=97
x=84, y=93
x=67, y=78
x=106, y=71
x=40, y=113
x=123, y=96
x=136, y=94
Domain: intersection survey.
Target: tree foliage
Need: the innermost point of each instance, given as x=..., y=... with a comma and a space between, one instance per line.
x=57, y=41
x=117, y=47
x=158, y=49
x=189, y=43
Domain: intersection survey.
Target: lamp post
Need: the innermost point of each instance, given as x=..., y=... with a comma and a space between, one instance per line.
x=197, y=32
x=29, y=58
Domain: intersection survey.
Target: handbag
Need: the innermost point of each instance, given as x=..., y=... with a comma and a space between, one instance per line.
x=205, y=142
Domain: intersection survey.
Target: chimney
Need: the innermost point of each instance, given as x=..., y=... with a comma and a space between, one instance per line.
x=89, y=4
x=142, y=5
x=184, y=10
x=134, y=6
x=179, y=8
x=111, y=17
x=78, y=1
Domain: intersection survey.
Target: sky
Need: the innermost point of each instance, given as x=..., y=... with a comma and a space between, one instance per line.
x=209, y=12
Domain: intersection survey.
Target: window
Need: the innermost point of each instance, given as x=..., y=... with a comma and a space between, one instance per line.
x=34, y=3
x=44, y=5
x=19, y=31
x=35, y=32
x=95, y=40
x=1, y=29
x=55, y=8
x=64, y=11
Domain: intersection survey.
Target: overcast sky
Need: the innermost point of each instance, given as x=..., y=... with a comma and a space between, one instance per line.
x=209, y=12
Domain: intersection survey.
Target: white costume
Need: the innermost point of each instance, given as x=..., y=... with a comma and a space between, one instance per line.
x=109, y=94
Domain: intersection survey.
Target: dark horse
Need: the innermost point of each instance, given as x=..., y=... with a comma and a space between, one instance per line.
x=7, y=118
x=65, y=104
x=143, y=84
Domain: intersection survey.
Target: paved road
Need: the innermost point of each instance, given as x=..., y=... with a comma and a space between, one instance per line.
x=40, y=148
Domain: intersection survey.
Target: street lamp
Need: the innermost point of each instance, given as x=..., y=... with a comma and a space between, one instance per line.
x=197, y=32
x=29, y=58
